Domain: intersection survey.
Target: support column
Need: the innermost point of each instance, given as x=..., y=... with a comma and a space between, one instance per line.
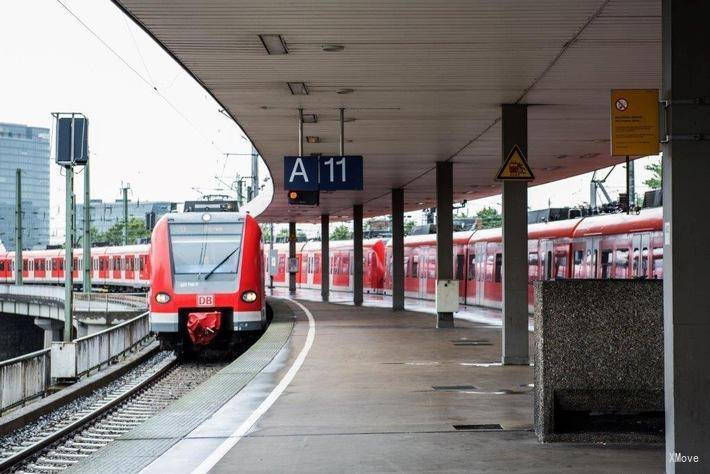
x=325, y=257
x=686, y=167
x=444, y=231
x=18, y=226
x=515, y=243
x=357, y=254
x=125, y=215
x=397, y=249
x=52, y=330
x=291, y=255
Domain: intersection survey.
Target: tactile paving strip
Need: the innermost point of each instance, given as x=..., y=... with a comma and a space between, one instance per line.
x=145, y=443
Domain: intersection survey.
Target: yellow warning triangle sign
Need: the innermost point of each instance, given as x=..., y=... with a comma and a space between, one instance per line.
x=515, y=167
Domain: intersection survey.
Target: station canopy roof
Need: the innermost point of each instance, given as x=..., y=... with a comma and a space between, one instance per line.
x=420, y=80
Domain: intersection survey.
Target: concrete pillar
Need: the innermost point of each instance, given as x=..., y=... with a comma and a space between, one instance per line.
x=397, y=249
x=686, y=167
x=52, y=330
x=515, y=243
x=291, y=255
x=444, y=231
x=357, y=254
x=325, y=257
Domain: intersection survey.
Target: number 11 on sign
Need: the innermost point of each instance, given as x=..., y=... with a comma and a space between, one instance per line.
x=331, y=163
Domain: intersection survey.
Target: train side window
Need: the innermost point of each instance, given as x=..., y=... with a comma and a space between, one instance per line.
x=459, y=266
x=471, y=266
x=533, y=266
x=499, y=267
x=606, y=263
x=577, y=259
x=658, y=262
x=415, y=268
x=560, y=265
x=622, y=263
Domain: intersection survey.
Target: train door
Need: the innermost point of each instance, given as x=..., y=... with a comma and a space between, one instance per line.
x=470, y=275
x=317, y=276
x=641, y=244
x=423, y=271
x=480, y=249
x=548, y=256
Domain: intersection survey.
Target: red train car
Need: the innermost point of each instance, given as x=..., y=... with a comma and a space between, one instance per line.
x=604, y=246
x=206, y=280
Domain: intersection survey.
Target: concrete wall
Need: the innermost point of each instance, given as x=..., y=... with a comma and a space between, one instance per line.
x=19, y=336
x=599, y=360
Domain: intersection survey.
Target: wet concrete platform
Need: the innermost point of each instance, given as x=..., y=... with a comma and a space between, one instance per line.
x=385, y=392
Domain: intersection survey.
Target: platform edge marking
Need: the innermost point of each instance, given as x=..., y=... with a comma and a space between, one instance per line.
x=244, y=428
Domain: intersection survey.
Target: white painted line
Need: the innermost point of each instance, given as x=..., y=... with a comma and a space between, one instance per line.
x=244, y=428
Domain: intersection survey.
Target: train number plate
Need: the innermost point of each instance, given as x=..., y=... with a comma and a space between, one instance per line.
x=205, y=300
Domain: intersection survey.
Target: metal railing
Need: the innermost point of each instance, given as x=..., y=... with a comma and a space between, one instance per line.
x=110, y=301
x=24, y=378
x=71, y=360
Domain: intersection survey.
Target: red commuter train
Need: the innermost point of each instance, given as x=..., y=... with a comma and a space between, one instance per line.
x=604, y=246
x=206, y=280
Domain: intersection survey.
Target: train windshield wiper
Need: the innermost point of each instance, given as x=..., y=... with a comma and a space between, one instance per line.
x=221, y=263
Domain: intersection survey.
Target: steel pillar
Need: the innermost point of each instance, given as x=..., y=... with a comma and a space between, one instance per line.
x=87, y=232
x=357, y=254
x=397, y=249
x=444, y=231
x=686, y=167
x=291, y=255
x=68, y=253
x=515, y=243
x=18, y=227
x=325, y=257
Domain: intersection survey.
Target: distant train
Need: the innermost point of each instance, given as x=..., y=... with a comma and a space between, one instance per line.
x=604, y=246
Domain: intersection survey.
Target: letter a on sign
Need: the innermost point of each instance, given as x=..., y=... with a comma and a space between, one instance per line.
x=298, y=171
x=515, y=167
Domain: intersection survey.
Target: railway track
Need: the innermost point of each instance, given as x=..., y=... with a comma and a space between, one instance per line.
x=59, y=446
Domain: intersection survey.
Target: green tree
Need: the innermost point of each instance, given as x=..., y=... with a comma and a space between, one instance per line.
x=489, y=217
x=114, y=235
x=656, y=179
x=341, y=232
x=408, y=226
x=282, y=236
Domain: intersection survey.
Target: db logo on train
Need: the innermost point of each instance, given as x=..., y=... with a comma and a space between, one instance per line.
x=205, y=300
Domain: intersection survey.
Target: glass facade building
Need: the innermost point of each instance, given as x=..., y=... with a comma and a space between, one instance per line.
x=26, y=148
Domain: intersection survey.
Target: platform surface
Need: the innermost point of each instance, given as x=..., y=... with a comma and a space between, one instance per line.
x=381, y=392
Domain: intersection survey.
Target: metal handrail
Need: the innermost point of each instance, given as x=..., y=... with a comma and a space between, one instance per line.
x=24, y=378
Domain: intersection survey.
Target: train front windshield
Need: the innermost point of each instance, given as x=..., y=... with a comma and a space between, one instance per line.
x=205, y=249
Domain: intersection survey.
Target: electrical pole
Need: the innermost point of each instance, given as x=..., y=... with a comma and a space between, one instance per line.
x=18, y=226
x=125, y=189
x=254, y=172
x=87, y=231
x=68, y=250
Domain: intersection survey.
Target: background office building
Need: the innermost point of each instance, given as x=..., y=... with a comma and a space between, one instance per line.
x=105, y=215
x=26, y=148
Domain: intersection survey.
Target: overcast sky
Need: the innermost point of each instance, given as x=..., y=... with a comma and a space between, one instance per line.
x=165, y=144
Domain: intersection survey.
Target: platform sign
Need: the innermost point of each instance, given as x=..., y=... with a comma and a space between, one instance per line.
x=339, y=173
x=634, y=122
x=301, y=173
x=515, y=167
x=273, y=262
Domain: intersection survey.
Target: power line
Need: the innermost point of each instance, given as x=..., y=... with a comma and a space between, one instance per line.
x=135, y=71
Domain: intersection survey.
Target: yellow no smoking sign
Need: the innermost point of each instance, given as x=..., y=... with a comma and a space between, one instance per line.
x=634, y=122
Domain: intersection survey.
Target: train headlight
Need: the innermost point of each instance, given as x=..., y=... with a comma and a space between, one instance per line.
x=162, y=298
x=249, y=296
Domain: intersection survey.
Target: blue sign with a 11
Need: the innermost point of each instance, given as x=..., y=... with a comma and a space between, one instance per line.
x=340, y=173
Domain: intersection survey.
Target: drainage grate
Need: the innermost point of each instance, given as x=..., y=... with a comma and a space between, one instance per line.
x=490, y=426
x=453, y=387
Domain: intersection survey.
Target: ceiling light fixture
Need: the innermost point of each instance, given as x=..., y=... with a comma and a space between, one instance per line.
x=274, y=44
x=345, y=91
x=310, y=118
x=313, y=139
x=331, y=48
x=298, y=88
